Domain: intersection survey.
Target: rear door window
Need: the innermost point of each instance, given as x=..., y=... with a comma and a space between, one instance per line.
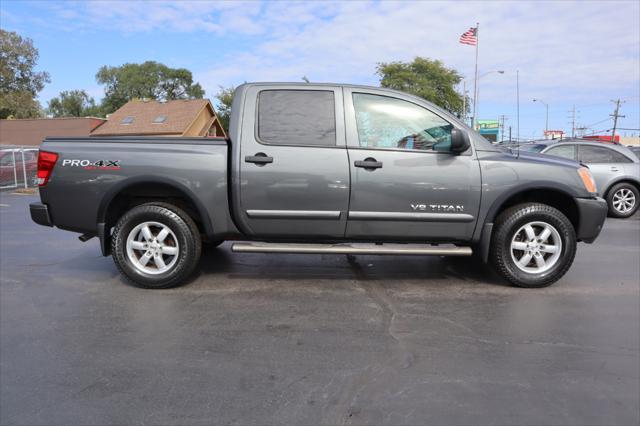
x=564, y=151
x=601, y=155
x=296, y=117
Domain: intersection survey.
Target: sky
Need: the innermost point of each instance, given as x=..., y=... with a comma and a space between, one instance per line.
x=582, y=53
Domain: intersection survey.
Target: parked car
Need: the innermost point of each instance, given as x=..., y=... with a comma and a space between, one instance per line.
x=330, y=169
x=615, y=168
x=12, y=166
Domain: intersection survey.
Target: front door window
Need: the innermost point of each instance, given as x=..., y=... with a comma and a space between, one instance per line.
x=390, y=123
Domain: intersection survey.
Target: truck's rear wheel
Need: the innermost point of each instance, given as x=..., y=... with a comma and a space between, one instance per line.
x=156, y=245
x=533, y=246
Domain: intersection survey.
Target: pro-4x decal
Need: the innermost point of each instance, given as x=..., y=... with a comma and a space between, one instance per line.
x=92, y=165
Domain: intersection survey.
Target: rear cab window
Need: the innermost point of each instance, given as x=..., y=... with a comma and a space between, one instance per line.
x=296, y=117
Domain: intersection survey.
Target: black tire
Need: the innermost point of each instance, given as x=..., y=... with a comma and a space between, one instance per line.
x=509, y=223
x=620, y=188
x=187, y=239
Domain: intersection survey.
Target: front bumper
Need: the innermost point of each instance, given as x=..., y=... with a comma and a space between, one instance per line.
x=592, y=213
x=40, y=214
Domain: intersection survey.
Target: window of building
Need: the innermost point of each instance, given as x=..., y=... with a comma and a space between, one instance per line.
x=600, y=154
x=127, y=120
x=160, y=119
x=564, y=151
x=296, y=117
x=385, y=122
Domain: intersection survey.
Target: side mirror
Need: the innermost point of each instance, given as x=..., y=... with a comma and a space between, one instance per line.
x=459, y=141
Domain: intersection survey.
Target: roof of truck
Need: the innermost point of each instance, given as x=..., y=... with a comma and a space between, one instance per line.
x=244, y=86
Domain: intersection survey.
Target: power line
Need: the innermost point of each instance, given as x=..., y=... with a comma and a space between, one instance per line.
x=597, y=122
x=598, y=131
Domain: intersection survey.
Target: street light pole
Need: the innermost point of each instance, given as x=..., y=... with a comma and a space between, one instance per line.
x=546, y=123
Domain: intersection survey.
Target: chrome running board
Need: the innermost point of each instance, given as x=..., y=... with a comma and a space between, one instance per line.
x=399, y=249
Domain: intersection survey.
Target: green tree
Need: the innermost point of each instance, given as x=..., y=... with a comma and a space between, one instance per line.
x=151, y=80
x=72, y=103
x=19, y=82
x=426, y=78
x=223, y=108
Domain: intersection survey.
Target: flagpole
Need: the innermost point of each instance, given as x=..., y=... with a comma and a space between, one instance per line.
x=518, y=103
x=475, y=83
x=464, y=100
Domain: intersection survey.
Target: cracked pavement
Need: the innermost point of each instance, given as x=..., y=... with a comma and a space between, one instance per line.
x=311, y=339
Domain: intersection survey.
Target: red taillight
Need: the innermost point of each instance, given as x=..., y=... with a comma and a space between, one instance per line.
x=46, y=161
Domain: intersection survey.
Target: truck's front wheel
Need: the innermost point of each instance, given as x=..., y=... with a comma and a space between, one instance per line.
x=156, y=245
x=533, y=245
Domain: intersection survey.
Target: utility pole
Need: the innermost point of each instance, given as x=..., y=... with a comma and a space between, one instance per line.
x=509, y=135
x=502, y=118
x=573, y=121
x=615, y=116
x=581, y=130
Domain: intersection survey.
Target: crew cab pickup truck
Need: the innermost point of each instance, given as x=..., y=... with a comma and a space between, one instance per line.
x=320, y=168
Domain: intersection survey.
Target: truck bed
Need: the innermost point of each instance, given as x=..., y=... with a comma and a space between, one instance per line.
x=102, y=169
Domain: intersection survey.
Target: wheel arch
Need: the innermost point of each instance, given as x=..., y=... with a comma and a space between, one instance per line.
x=623, y=179
x=555, y=196
x=142, y=189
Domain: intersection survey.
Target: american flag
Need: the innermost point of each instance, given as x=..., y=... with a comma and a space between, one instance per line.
x=469, y=37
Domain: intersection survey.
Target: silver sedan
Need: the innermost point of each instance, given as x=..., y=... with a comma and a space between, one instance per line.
x=615, y=168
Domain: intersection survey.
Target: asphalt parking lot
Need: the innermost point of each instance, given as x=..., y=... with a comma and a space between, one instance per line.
x=310, y=339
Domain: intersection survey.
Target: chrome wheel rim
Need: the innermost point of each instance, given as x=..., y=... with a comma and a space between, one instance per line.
x=536, y=247
x=624, y=200
x=152, y=248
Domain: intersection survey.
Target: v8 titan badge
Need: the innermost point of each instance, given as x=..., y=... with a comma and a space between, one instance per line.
x=93, y=165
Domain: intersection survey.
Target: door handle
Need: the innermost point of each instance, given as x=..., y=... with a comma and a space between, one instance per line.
x=260, y=158
x=368, y=163
x=614, y=169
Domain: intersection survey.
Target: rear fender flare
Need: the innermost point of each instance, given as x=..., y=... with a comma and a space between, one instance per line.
x=151, y=179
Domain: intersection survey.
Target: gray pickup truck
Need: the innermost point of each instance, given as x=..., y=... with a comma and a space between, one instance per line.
x=320, y=168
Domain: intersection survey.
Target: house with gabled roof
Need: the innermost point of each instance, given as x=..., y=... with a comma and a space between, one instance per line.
x=177, y=118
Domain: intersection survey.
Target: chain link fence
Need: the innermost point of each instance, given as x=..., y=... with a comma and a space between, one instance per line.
x=18, y=166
